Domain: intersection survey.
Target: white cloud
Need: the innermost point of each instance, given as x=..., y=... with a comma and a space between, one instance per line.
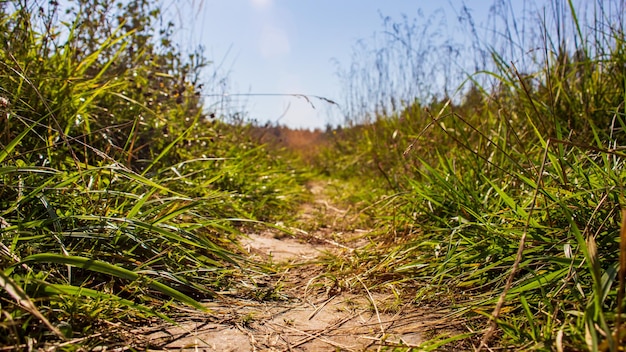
x=273, y=42
x=261, y=4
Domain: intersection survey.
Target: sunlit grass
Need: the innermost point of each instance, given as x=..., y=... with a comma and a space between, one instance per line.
x=119, y=200
x=511, y=195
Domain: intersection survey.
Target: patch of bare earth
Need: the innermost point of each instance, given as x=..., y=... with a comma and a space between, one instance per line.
x=306, y=313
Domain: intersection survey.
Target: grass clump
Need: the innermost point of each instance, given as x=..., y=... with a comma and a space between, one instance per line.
x=120, y=196
x=507, y=202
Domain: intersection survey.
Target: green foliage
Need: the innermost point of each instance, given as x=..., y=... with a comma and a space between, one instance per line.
x=119, y=197
x=535, y=156
x=104, y=85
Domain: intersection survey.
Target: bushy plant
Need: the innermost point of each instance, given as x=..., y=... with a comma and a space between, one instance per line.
x=119, y=190
x=509, y=196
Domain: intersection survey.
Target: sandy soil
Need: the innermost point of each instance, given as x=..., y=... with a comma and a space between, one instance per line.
x=310, y=314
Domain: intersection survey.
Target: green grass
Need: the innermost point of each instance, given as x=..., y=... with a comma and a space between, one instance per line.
x=511, y=194
x=504, y=204
x=101, y=221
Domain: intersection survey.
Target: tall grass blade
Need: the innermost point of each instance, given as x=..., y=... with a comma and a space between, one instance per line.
x=167, y=149
x=57, y=289
x=4, y=152
x=114, y=270
x=22, y=299
x=622, y=277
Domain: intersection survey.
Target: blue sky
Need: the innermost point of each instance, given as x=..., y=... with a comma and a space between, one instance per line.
x=293, y=46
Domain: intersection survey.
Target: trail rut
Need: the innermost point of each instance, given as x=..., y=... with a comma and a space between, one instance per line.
x=308, y=309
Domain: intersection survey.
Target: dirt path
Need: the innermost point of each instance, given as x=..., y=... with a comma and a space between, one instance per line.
x=304, y=308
